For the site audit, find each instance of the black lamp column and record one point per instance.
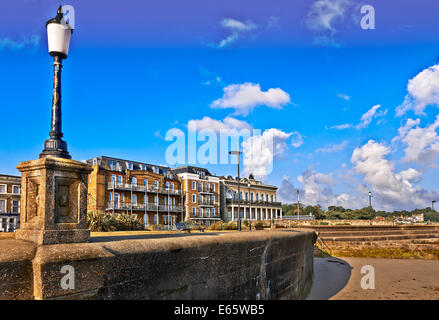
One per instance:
(58, 33)
(55, 146)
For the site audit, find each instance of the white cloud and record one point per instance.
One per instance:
(260, 150)
(344, 96)
(317, 188)
(237, 25)
(246, 96)
(422, 144)
(324, 14)
(296, 139)
(371, 114)
(390, 188)
(238, 28)
(229, 123)
(422, 90)
(341, 126)
(31, 43)
(334, 148)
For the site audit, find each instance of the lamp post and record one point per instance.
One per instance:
(298, 204)
(238, 153)
(58, 36)
(370, 207)
(432, 205)
(249, 206)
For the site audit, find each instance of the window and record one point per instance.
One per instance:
(257, 196)
(213, 187)
(167, 185)
(15, 189)
(156, 200)
(3, 206)
(145, 199)
(2, 188)
(200, 186)
(213, 199)
(122, 198)
(194, 185)
(200, 199)
(271, 198)
(111, 196)
(134, 181)
(156, 219)
(156, 184)
(194, 199)
(246, 196)
(130, 166)
(145, 182)
(134, 200)
(172, 185)
(119, 179)
(95, 162)
(193, 211)
(144, 167)
(213, 212)
(112, 164)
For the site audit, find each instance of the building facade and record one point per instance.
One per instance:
(10, 196)
(258, 200)
(151, 192)
(200, 194)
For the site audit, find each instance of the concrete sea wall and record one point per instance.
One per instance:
(246, 265)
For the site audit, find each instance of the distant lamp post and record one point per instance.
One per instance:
(370, 206)
(58, 36)
(238, 153)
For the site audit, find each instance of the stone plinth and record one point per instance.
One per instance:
(53, 201)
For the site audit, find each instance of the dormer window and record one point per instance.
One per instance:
(144, 167)
(130, 166)
(95, 162)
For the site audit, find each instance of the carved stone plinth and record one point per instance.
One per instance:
(53, 201)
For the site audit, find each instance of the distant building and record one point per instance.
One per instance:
(258, 200)
(200, 194)
(150, 192)
(10, 195)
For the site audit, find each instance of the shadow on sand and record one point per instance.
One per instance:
(330, 276)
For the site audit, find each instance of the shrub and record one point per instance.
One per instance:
(259, 225)
(216, 226)
(101, 221)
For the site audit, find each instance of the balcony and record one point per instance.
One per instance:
(254, 203)
(205, 217)
(142, 188)
(209, 190)
(143, 207)
(206, 203)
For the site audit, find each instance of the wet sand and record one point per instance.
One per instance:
(395, 279)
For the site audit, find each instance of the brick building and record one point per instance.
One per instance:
(10, 196)
(200, 194)
(258, 200)
(151, 192)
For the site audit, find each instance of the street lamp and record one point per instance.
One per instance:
(432, 205)
(239, 190)
(249, 206)
(58, 37)
(370, 208)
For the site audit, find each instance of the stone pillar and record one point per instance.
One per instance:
(54, 201)
(280, 214)
(233, 213)
(271, 213)
(245, 213)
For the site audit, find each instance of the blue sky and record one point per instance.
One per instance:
(137, 69)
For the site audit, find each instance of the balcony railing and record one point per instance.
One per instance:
(206, 190)
(255, 203)
(142, 188)
(143, 207)
(205, 216)
(206, 203)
